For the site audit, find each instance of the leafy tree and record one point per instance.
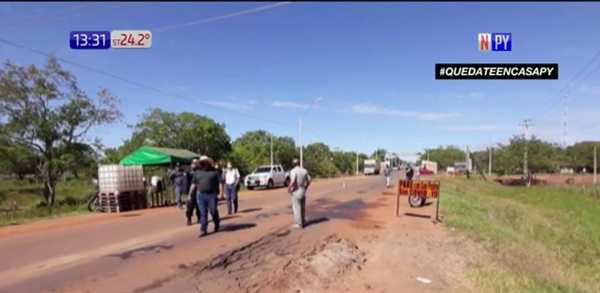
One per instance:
(253, 149)
(581, 155)
(185, 130)
(44, 111)
(345, 162)
(318, 160)
(543, 157)
(17, 159)
(379, 155)
(444, 156)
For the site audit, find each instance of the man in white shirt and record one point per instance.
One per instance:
(232, 179)
(299, 182)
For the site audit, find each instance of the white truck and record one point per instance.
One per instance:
(371, 167)
(267, 176)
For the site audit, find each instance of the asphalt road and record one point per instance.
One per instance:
(134, 251)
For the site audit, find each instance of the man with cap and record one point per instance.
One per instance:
(192, 203)
(206, 183)
(299, 182)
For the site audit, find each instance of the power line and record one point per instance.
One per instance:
(136, 83)
(222, 17)
(564, 92)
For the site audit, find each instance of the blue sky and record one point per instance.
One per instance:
(371, 65)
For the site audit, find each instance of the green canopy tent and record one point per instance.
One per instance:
(148, 155)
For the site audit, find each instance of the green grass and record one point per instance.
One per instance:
(71, 197)
(538, 239)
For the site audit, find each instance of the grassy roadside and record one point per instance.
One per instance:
(538, 239)
(71, 199)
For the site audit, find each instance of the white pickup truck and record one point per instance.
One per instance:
(267, 176)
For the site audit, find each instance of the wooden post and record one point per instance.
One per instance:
(437, 208)
(595, 165)
(398, 201)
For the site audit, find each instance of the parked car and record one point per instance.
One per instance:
(268, 176)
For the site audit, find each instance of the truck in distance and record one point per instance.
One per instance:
(268, 176)
(371, 167)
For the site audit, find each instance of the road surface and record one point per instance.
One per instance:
(154, 251)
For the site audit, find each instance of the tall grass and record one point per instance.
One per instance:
(537, 239)
(71, 198)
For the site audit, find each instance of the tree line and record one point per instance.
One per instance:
(45, 119)
(543, 156)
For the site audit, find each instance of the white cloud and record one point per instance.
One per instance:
(481, 128)
(234, 106)
(379, 110)
(289, 105)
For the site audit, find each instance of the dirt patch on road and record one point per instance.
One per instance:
(283, 261)
(319, 267)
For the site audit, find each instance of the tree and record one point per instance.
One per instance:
(581, 155)
(45, 111)
(16, 159)
(345, 162)
(444, 156)
(543, 157)
(379, 155)
(319, 160)
(184, 130)
(253, 149)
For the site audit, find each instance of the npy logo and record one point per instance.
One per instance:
(494, 41)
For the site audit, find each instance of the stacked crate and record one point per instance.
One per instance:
(121, 188)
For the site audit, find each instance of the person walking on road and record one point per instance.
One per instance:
(179, 180)
(232, 179)
(192, 203)
(206, 182)
(387, 172)
(221, 172)
(299, 183)
(409, 173)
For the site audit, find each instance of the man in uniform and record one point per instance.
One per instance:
(299, 182)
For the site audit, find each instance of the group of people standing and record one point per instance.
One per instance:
(202, 184)
(205, 181)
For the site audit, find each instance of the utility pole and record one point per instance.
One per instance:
(271, 149)
(595, 165)
(526, 123)
(300, 141)
(357, 163)
(490, 162)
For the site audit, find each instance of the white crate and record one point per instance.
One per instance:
(117, 178)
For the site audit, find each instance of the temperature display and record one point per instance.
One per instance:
(125, 39)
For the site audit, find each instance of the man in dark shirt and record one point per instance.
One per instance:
(179, 181)
(192, 203)
(206, 182)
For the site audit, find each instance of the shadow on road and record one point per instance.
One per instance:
(236, 227)
(316, 221)
(250, 210)
(417, 215)
(156, 248)
(130, 215)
